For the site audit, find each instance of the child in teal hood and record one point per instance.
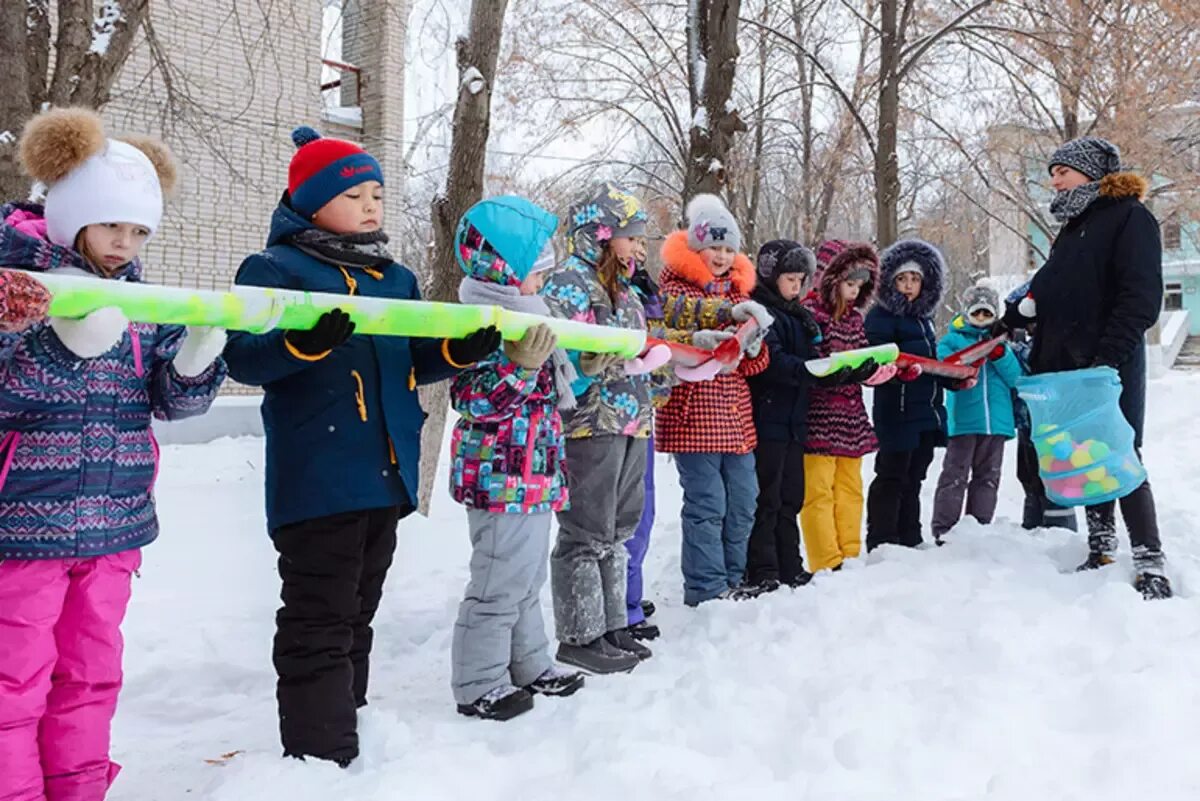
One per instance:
(981, 418)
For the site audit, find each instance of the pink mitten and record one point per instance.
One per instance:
(652, 359)
(704, 372)
(23, 302)
(883, 375)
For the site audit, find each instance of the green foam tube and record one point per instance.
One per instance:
(882, 354)
(259, 309)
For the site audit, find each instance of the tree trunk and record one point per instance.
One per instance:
(477, 52)
(712, 63)
(88, 51)
(887, 166)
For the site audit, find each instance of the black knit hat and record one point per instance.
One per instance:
(1090, 155)
(781, 256)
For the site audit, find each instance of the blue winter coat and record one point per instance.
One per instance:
(343, 432)
(986, 408)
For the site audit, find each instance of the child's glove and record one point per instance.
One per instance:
(23, 302)
(475, 346)
(962, 384)
(998, 352)
(709, 339)
(533, 349)
(704, 372)
(201, 346)
(94, 335)
(652, 359)
(333, 328)
(593, 364)
(882, 375)
(752, 309)
(909, 374)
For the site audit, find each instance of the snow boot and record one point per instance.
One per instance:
(648, 608)
(502, 703)
(621, 638)
(802, 579)
(644, 631)
(557, 682)
(598, 656)
(1151, 580)
(748, 592)
(1095, 561)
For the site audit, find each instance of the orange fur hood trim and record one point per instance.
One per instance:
(1124, 184)
(687, 264)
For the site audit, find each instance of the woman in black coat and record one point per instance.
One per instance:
(1093, 300)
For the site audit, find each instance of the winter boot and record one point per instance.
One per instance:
(1151, 579)
(1095, 561)
(802, 579)
(644, 631)
(557, 682)
(622, 639)
(502, 703)
(598, 656)
(748, 592)
(648, 608)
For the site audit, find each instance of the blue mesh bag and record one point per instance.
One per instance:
(1083, 441)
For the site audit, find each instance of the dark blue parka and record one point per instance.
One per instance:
(905, 410)
(343, 431)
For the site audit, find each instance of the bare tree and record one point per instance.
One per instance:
(71, 57)
(477, 54)
(713, 51)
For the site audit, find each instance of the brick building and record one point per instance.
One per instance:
(225, 83)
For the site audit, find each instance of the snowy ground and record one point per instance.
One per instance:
(976, 671)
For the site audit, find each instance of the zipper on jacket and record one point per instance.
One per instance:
(360, 395)
(987, 407)
(136, 342)
(8, 451)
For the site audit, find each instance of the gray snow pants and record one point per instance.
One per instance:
(499, 637)
(606, 478)
(972, 468)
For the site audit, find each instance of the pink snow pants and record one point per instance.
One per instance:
(60, 672)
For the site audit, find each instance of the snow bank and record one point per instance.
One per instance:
(982, 670)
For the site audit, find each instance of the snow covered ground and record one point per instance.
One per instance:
(975, 671)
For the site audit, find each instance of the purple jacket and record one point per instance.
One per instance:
(77, 457)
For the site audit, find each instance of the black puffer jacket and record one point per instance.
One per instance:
(1099, 291)
(780, 393)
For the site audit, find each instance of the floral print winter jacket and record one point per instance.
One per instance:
(612, 403)
(78, 459)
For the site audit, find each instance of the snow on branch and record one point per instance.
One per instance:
(473, 80)
(105, 25)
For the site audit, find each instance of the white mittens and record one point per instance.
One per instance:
(94, 335)
(201, 347)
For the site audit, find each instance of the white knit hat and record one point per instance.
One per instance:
(118, 185)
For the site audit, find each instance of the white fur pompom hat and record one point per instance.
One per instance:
(93, 179)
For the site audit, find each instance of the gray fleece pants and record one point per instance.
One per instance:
(500, 637)
(972, 468)
(606, 477)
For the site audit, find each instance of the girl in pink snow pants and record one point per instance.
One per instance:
(77, 457)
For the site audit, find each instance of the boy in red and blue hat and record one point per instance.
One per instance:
(343, 430)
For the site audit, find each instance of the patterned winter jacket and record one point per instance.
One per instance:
(612, 403)
(714, 416)
(837, 418)
(77, 456)
(506, 453)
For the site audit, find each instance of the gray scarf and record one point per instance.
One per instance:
(1070, 203)
(349, 250)
(510, 297)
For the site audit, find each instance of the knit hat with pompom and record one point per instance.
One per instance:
(323, 168)
(92, 179)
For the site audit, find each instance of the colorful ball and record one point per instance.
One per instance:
(1063, 449)
(1110, 484)
(1045, 428)
(1061, 466)
(1047, 462)
(1071, 492)
(1057, 438)
(1092, 488)
(1099, 450)
(1097, 474)
(1081, 458)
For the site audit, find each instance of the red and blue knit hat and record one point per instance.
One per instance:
(322, 169)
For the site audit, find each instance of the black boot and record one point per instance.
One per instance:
(1153, 586)
(1095, 561)
(599, 656)
(644, 631)
(502, 703)
(648, 608)
(802, 578)
(557, 682)
(622, 639)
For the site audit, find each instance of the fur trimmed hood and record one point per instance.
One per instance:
(855, 255)
(933, 267)
(1124, 184)
(687, 265)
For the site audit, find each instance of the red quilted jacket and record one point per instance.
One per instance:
(709, 416)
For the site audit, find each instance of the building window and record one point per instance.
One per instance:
(1173, 296)
(1172, 232)
(341, 79)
